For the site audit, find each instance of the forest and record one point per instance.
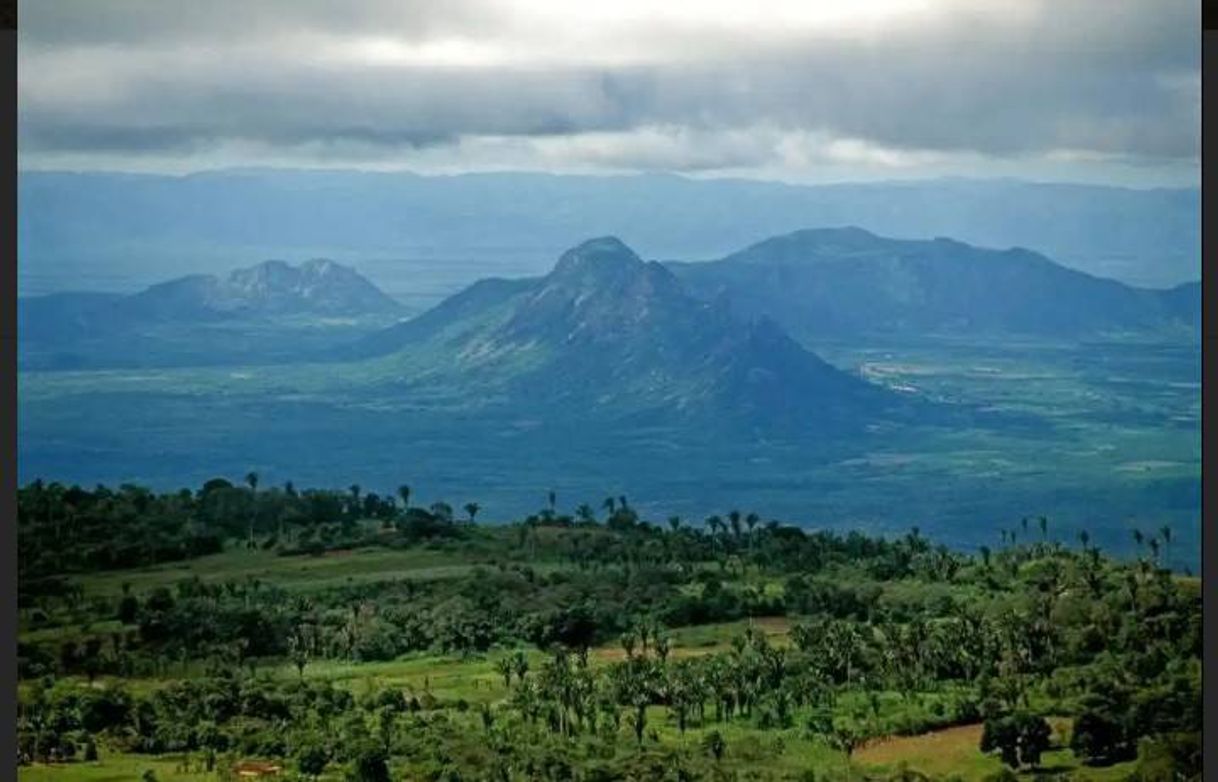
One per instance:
(239, 630)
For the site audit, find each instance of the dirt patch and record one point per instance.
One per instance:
(936, 744)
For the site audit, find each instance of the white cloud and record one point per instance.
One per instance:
(808, 88)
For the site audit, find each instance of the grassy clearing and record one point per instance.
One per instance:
(956, 752)
(296, 573)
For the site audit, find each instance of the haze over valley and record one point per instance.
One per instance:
(950, 381)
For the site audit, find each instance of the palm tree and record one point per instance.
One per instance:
(505, 666)
(751, 522)
(1084, 537)
(472, 509)
(1044, 527)
(552, 498)
(674, 523)
(251, 478)
(628, 641)
(1165, 531)
(733, 518)
(714, 744)
(520, 664)
(1138, 537)
(661, 646)
(610, 504)
(585, 513)
(404, 493)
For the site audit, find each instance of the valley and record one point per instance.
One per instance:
(607, 374)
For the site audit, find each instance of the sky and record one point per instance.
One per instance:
(1104, 91)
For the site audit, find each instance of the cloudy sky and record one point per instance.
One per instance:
(810, 90)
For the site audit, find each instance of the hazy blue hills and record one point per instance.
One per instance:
(612, 374)
(118, 232)
(271, 310)
(850, 283)
(609, 333)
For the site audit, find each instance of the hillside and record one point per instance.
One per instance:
(270, 311)
(337, 630)
(606, 332)
(848, 282)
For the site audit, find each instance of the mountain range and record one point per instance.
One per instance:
(177, 321)
(119, 232)
(834, 284)
(836, 374)
(607, 331)
(850, 283)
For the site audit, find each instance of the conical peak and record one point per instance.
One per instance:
(603, 254)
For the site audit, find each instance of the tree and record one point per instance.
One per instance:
(714, 744)
(311, 759)
(751, 522)
(368, 763)
(504, 666)
(1020, 738)
(520, 664)
(845, 738)
(251, 479)
(128, 609)
(298, 650)
(472, 509)
(404, 493)
(1098, 737)
(661, 646)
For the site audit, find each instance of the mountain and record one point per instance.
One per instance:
(268, 311)
(318, 287)
(118, 232)
(848, 282)
(606, 333)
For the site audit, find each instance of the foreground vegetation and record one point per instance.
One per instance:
(240, 628)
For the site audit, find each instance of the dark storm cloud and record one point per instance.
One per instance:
(1110, 78)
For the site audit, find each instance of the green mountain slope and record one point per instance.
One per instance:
(606, 333)
(849, 282)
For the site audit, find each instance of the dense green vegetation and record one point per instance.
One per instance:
(346, 634)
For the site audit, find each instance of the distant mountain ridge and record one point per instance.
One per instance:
(849, 282)
(273, 288)
(140, 229)
(316, 287)
(273, 310)
(608, 332)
